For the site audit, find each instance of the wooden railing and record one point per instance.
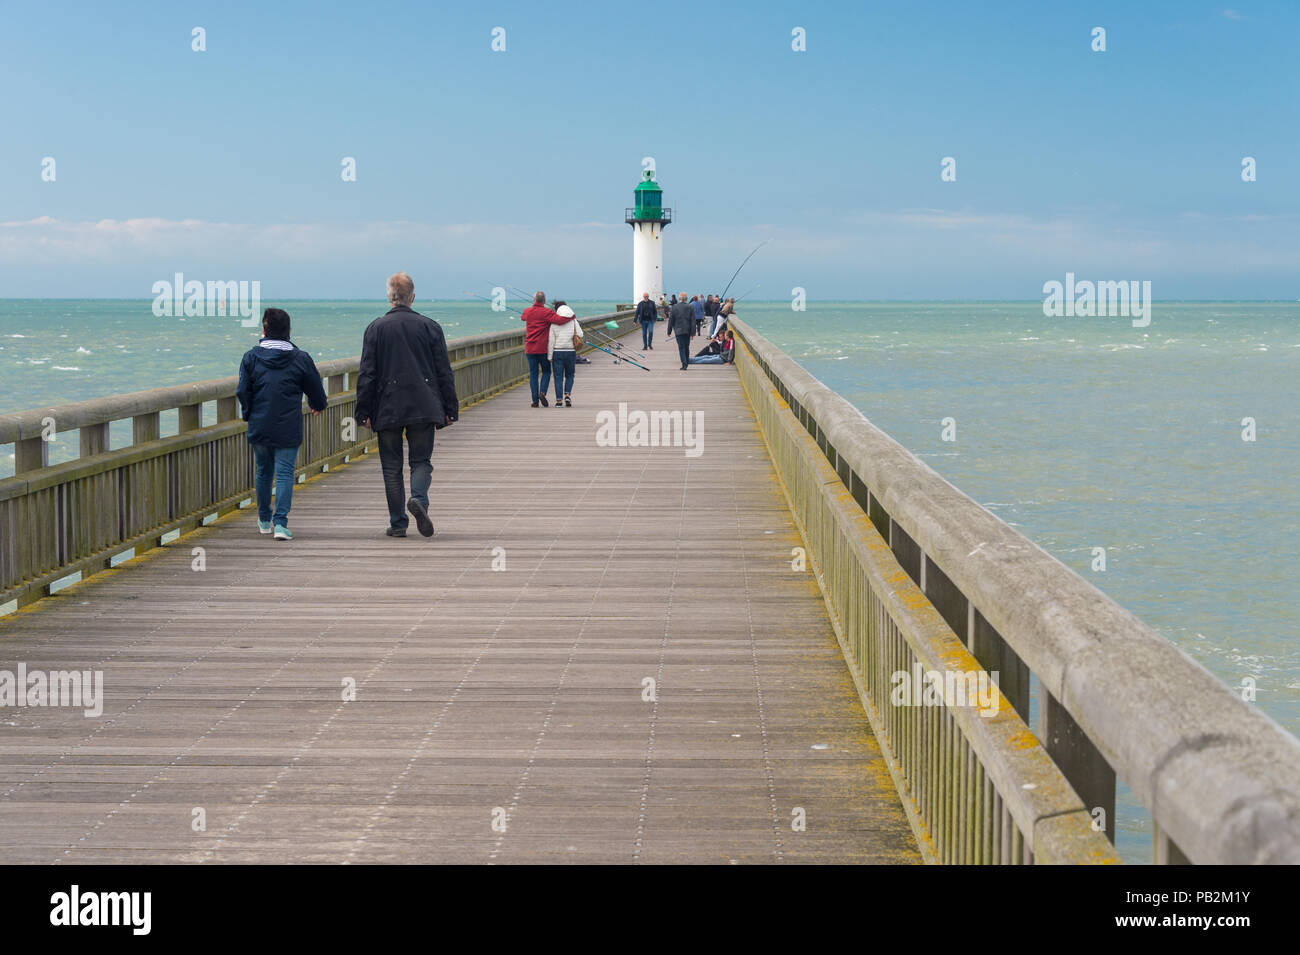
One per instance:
(918, 574)
(60, 523)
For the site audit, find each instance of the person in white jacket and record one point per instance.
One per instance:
(562, 350)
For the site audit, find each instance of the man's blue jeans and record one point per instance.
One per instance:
(539, 363)
(564, 362)
(647, 332)
(279, 462)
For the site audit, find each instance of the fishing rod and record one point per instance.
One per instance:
(611, 343)
(605, 338)
(618, 358)
(754, 289)
(616, 344)
(742, 265)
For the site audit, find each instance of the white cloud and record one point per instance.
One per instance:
(915, 253)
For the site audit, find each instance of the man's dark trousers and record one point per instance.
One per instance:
(419, 438)
(684, 348)
(647, 332)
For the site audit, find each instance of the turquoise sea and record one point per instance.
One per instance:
(1081, 432)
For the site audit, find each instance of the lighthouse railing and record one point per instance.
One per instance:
(922, 580)
(633, 214)
(62, 522)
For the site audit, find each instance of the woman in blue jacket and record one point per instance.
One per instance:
(273, 377)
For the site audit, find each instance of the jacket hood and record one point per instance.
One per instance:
(273, 357)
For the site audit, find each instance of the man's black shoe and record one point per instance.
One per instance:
(542, 399)
(421, 517)
(396, 532)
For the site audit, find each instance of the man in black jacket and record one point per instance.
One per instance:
(646, 315)
(681, 322)
(405, 383)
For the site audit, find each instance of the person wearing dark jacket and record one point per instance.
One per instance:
(681, 322)
(273, 377)
(697, 309)
(405, 384)
(538, 320)
(646, 315)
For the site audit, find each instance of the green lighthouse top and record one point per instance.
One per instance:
(648, 199)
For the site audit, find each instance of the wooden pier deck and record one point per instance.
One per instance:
(481, 693)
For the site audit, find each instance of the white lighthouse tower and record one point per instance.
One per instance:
(648, 217)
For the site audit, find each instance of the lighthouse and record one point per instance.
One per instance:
(648, 217)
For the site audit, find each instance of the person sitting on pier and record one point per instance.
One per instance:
(405, 384)
(720, 351)
(273, 377)
(537, 319)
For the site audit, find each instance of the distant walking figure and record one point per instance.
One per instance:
(645, 314)
(406, 384)
(681, 322)
(562, 350)
(697, 312)
(273, 377)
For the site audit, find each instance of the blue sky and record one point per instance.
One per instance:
(477, 168)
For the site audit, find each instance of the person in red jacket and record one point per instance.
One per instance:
(538, 320)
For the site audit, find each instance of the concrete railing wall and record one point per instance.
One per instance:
(916, 573)
(70, 520)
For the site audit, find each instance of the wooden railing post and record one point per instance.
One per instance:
(146, 427)
(189, 418)
(31, 454)
(94, 439)
(1078, 759)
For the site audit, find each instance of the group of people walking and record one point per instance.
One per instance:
(552, 337)
(701, 308)
(406, 391)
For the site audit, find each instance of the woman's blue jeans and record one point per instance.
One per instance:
(277, 462)
(564, 363)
